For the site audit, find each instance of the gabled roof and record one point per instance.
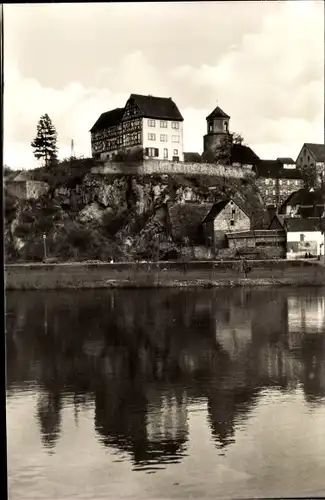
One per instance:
(273, 169)
(318, 150)
(162, 108)
(243, 154)
(304, 197)
(216, 209)
(219, 206)
(217, 113)
(186, 219)
(277, 220)
(108, 119)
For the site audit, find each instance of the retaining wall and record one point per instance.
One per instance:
(163, 274)
(149, 167)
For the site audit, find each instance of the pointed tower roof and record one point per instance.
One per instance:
(217, 113)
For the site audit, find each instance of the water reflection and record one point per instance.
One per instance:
(143, 360)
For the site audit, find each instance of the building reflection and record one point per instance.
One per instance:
(141, 358)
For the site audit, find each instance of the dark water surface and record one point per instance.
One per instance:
(166, 394)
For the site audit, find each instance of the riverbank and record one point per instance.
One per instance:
(163, 274)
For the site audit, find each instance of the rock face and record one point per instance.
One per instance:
(133, 208)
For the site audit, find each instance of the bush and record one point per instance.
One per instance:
(68, 173)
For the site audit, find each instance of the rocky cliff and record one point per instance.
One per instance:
(87, 216)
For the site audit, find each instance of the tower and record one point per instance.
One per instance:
(217, 129)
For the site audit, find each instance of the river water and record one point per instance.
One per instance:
(163, 394)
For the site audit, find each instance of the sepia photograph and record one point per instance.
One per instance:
(164, 249)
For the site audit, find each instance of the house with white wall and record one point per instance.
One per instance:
(152, 123)
(303, 235)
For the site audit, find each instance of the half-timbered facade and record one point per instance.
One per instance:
(152, 123)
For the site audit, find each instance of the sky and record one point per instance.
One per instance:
(262, 62)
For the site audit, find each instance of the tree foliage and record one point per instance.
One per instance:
(45, 142)
(221, 154)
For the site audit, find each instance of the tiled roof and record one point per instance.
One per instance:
(108, 119)
(243, 155)
(277, 220)
(316, 210)
(318, 150)
(157, 107)
(216, 209)
(273, 169)
(217, 113)
(295, 224)
(186, 219)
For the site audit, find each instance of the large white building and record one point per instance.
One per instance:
(153, 123)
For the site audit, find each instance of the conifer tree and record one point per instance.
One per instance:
(45, 142)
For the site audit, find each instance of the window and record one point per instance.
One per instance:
(308, 158)
(296, 182)
(288, 182)
(232, 222)
(165, 153)
(151, 137)
(302, 238)
(175, 125)
(163, 124)
(210, 128)
(280, 182)
(152, 152)
(273, 191)
(233, 211)
(163, 137)
(151, 123)
(266, 191)
(175, 152)
(266, 181)
(225, 126)
(175, 138)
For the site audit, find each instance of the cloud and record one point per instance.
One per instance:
(264, 66)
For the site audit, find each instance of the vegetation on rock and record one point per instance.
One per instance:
(87, 216)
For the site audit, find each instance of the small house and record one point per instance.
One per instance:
(303, 235)
(224, 217)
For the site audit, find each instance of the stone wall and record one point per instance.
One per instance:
(149, 167)
(270, 244)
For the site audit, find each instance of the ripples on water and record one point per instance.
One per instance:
(166, 394)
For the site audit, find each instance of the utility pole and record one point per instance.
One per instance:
(44, 244)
